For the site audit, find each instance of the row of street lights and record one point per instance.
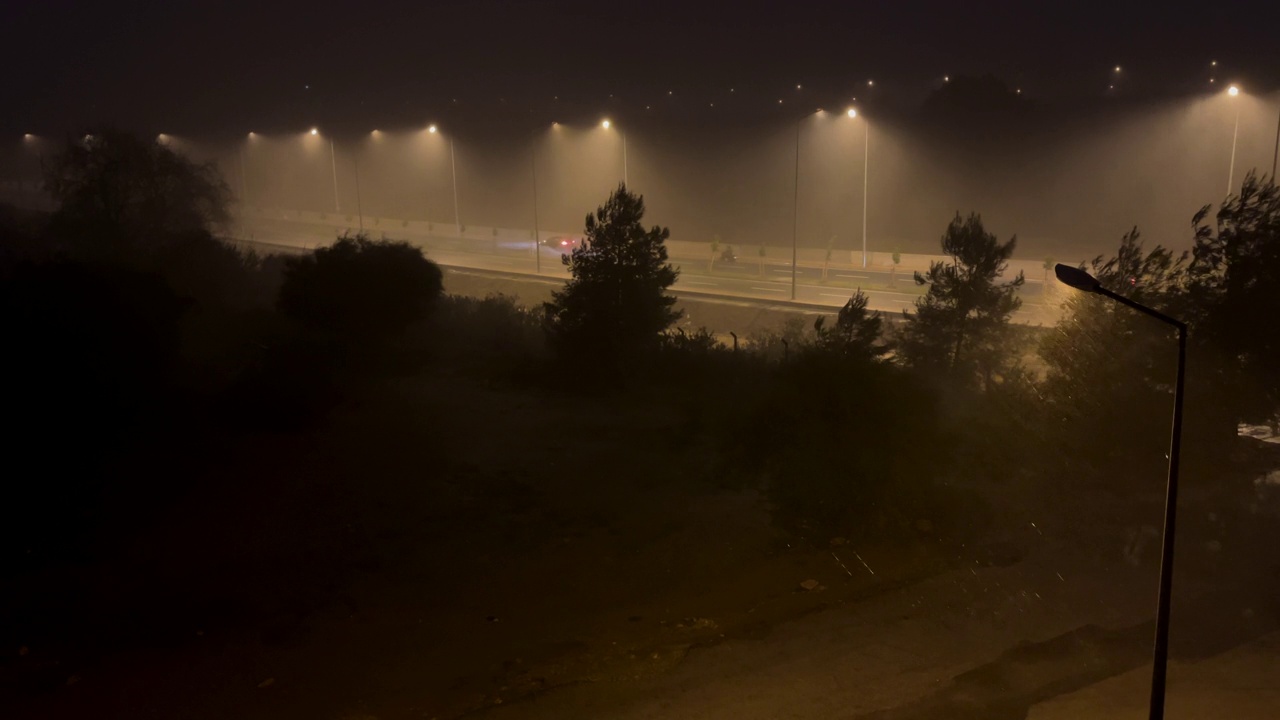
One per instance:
(605, 124)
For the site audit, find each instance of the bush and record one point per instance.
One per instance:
(836, 443)
(493, 335)
(360, 291)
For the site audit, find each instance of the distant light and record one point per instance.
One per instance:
(730, 89)
(669, 92)
(253, 134)
(375, 131)
(1211, 80)
(161, 137)
(555, 124)
(1213, 63)
(1111, 87)
(1233, 91)
(1018, 91)
(431, 128)
(852, 113)
(1117, 68)
(713, 104)
(779, 101)
(605, 124)
(646, 107)
(28, 137)
(797, 86)
(946, 78)
(871, 83)
(315, 131)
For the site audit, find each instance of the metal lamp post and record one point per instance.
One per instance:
(1081, 280)
(1235, 134)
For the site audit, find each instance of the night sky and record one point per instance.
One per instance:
(226, 67)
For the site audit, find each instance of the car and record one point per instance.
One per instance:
(563, 244)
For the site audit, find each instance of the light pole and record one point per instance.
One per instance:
(453, 170)
(244, 179)
(866, 169)
(533, 167)
(795, 211)
(1233, 91)
(1081, 280)
(359, 205)
(606, 124)
(1275, 154)
(333, 165)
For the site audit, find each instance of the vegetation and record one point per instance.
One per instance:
(165, 354)
(961, 326)
(615, 305)
(360, 290)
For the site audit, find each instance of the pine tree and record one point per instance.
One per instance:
(961, 326)
(615, 305)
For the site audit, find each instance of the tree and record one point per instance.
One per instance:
(855, 333)
(360, 290)
(1108, 368)
(961, 325)
(826, 259)
(615, 304)
(125, 188)
(893, 269)
(1047, 265)
(715, 248)
(1231, 298)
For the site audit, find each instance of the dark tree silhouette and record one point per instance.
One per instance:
(961, 326)
(120, 187)
(616, 303)
(360, 289)
(1108, 367)
(1232, 297)
(854, 335)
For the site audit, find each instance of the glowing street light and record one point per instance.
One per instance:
(1117, 68)
(432, 129)
(1233, 91)
(852, 113)
(315, 131)
(605, 124)
(1081, 280)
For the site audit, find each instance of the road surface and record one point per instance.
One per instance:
(740, 279)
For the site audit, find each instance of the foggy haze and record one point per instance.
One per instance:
(1067, 184)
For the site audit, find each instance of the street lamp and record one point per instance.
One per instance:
(1081, 280)
(606, 125)
(866, 168)
(1233, 91)
(333, 166)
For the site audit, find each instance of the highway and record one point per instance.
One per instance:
(745, 278)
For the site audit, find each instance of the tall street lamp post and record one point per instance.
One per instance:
(1233, 91)
(1081, 280)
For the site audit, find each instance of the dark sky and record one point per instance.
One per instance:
(231, 65)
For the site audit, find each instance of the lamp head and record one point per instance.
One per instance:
(1076, 278)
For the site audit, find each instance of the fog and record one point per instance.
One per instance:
(1067, 183)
